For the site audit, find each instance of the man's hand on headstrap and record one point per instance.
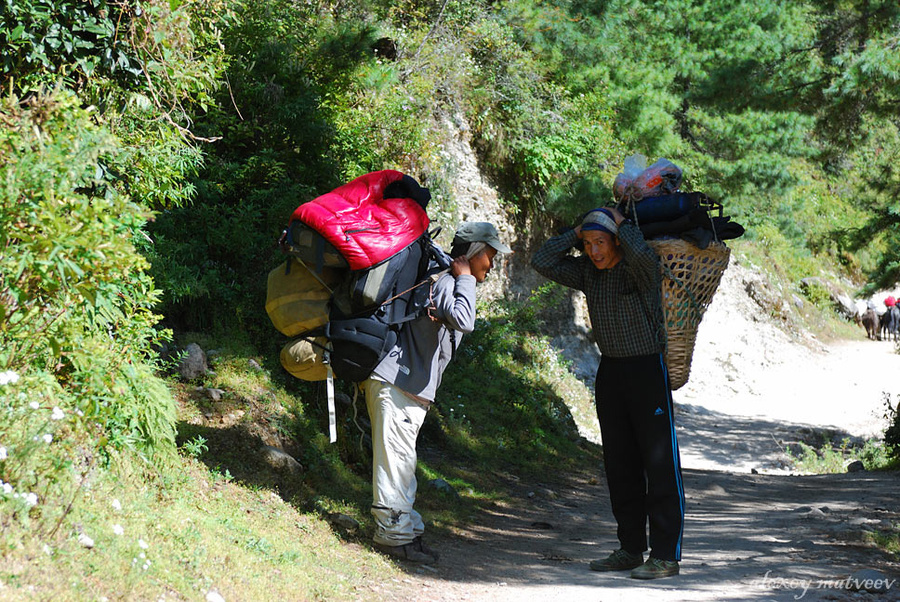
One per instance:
(460, 267)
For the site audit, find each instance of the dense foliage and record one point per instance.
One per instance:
(98, 99)
(771, 107)
(152, 151)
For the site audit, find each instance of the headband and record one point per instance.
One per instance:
(599, 219)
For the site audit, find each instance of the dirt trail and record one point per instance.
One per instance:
(753, 531)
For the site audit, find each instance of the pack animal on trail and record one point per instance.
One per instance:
(871, 323)
(890, 324)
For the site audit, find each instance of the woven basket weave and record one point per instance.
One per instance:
(690, 278)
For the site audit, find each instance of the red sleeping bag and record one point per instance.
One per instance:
(362, 225)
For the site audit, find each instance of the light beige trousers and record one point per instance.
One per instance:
(396, 420)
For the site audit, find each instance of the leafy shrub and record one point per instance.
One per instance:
(148, 67)
(75, 298)
(44, 451)
(78, 40)
(831, 458)
(500, 399)
(892, 432)
(539, 140)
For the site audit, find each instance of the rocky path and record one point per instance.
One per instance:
(835, 393)
(747, 537)
(754, 530)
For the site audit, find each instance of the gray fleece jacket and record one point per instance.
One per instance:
(417, 363)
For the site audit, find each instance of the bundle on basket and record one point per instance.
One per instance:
(687, 231)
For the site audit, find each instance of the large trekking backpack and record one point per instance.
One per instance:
(356, 272)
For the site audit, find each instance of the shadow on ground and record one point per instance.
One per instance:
(747, 536)
(717, 441)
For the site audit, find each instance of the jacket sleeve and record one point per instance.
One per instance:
(553, 261)
(642, 261)
(454, 302)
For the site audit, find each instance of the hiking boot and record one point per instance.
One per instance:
(655, 568)
(620, 560)
(408, 552)
(421, 546)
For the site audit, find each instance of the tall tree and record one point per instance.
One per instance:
(751, 97)
(860, 120)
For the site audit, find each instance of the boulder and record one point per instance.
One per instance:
(767, 298)
(214, 394)
(281, 461)
(444, 487)
(343, 521)
(193, 365)
(856, 466)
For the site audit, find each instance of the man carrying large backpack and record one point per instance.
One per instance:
(402, 388)
(620, 277)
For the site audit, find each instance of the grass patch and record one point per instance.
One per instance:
(217, 517)
(833, 458)
(889, 541)
(785, 267)
(185, 533)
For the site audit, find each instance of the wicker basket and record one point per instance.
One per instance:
(690, 278)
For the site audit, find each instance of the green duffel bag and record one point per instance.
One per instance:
(297, 299)
(303, 358)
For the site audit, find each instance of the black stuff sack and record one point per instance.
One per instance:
(358, 345)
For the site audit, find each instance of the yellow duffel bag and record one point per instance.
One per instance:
(303, 358)
(296, 299)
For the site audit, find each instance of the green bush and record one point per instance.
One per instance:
(833, 458)
(75, 298)
(45, 452)
(542, 143)
(494, 405)
(892, 432)
(76, 40)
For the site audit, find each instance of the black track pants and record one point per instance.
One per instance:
(643, 470)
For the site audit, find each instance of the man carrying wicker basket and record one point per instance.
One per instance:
(620, 276)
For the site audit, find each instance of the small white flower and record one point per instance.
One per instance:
(85, 540)
(142, 544)
(57, 414)
(3, 453)
(214, 596)
(80, 413)
(142, 556)
(31, 499)
(34, 405)
(116, 505)
(48, 550)
(8, 377)
(48, 438)
(7, 488)
(118, 530)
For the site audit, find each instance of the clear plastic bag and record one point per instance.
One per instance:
(637, 181)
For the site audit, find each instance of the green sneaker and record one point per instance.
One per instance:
(655, 568)
(620, 560)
